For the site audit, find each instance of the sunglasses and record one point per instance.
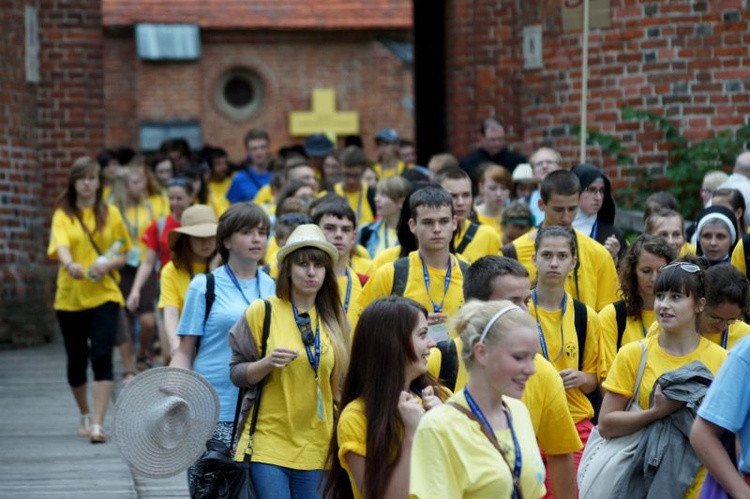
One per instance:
(687, 267)
(305, 326)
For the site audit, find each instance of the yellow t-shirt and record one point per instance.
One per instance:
(485, 242)
(737, 331)
(491, 222)
(271, 251)
(622, 376)
(137, 219)
(160, 205)
(360, 261)
(544, 396)
(687, 249)
(352, 437)
(220, 188)
(738, 256)
(598, 283)
(390, 172)
(264, 198)
(73, 295)
(381, 284)
(635, 329)
(357, 202)
(355, 309)
(174, 284)
(289, 432)
(217, 203)
(386, 256)
(452, 457)
(564, 354)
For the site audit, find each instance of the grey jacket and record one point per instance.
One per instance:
(665, 464)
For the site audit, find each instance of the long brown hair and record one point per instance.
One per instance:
(67, 201)
(327, 303)
(182, 256)
(627, 269)
(377, 375)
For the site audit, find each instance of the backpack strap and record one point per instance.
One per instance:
(746, 249)
(581, 322)
(621, 316)
(210, 295)
(259, 392)
(468, 237)
(449, 364)
(400, 276)
(371, 200)
(509, 251)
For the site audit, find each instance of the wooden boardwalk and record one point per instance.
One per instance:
(41, 454)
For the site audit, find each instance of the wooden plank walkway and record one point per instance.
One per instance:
(41, 455)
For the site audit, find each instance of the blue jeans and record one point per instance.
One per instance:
(277, 482)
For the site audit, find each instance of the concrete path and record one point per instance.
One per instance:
(41, 455)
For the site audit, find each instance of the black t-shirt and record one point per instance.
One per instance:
(507, 158)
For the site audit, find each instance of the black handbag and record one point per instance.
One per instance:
(218, 475)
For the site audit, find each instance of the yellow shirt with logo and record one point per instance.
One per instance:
(485, 242)
(289, 432)
(491, 222)
(564, 354)
(355, 309)
(597, 284)
(389, 172)
(174, 283)
(73, 295)
(736, 332)
(452, 457)
(381, 284)
(544, 396)
(635, 329)
(622, 376)
(357, 202)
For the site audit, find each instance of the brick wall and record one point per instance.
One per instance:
(45, 125)
(366, 76)
(686, 59)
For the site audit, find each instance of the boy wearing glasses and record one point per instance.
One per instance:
(360, 196)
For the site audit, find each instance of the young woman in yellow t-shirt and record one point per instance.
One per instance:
(481, 443)
(385, 394)
(678, 300)
(495, 184)
(670, 226)
(89, 240)
(192, 246)
(638, 270)
(306, 357)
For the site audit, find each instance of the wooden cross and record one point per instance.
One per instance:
(323, 117)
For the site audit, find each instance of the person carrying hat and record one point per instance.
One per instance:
(241, 238)
(190, 256)
(306, 357)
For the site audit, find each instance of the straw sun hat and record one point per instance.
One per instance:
(163, 419)
(307, 236)
(199, 220)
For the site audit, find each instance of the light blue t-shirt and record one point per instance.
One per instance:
(727, 403)
(212, 361)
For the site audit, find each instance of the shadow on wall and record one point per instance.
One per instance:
(26, 314)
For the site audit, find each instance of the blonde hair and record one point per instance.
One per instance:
(472, 318)
(556, 155)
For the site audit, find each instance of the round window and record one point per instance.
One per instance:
(239, 93)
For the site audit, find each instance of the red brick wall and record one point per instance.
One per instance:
(366, 76)
(44, 127)
(686, 59)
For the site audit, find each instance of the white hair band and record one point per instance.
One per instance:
(494, 319)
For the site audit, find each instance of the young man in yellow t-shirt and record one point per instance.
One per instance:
(499, 278)
(472, 240)
(431, 276)
(358, 194)
(594, 280)
(337, 221)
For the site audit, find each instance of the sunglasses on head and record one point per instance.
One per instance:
(687, 267)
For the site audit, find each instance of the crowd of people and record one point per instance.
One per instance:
(413, 326)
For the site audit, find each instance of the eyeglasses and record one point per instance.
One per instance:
(595, 190)
(718, 320)
(545, 162)
(687, 267)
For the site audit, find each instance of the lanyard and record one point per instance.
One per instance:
(359, 204)
(348, 290)
(542, 341)
(643, 327)
(594, 230)
(516, 447)
(236, 282)
(725, 338)
(314, 360)
(435, 307)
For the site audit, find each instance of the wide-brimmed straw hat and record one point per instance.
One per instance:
(307, 236)
(163, 419)
(198, 220)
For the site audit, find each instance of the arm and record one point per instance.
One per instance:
(185, 354)
(562, 474)
(578, 379)
(66, 260)
(103, 268)
(171, 321)
(141, 276)
(615, 421)
(704, 438)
